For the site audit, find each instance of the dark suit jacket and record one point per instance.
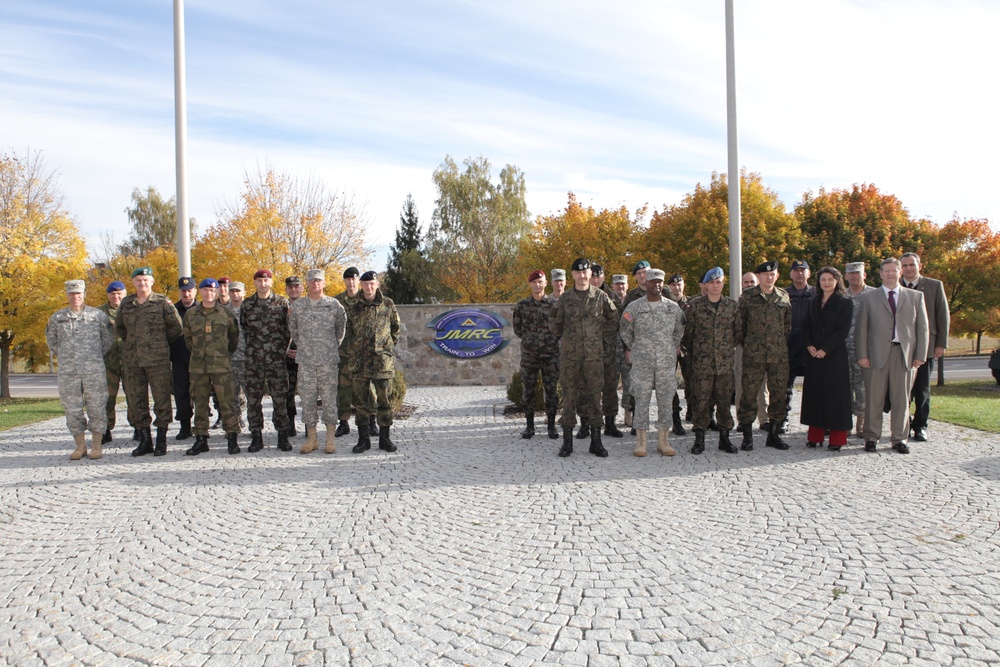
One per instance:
(938, 315)
(873, 328)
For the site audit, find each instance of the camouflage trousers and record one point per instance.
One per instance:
(239, 388)
(628, 403)
(581, 391)
(139, 382)
(857, 381)
(80, 393)
(345, 391)
(182, 392)
(761, 394)
(609, 388)
(377, 394)
(202, 387)
(549, 368)
(111, 407)
(644, 380)
(318, 382)
(753, 378)
(274, 377)
(706, 392)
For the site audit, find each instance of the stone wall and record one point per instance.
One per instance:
(423, 365)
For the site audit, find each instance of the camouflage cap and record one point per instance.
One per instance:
(655, 274)
(619, 279)
(854, 267)
(236, 286)
(292, 280)
(558, 274)
(75, 287)
(315, 274)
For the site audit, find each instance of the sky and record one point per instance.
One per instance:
(621, 103)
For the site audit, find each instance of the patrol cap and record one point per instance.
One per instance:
(369, 275)
(655, 274)
(186, 282)
(674, 279)
(263, 273)
(142, 271)
(224, 280)
(535, 275)
(208, 282)
(800, 264)
(619, 279)
(237, 286)
(713, 274)
(854, 267)
(315, 274)
(351, 272)
(767, 266)
(596, 269)
(116, 286)
(292, 280)
(558, 274)
(639, 266)
(75, 287)
(580, 264)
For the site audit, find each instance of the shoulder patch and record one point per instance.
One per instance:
(628, 315)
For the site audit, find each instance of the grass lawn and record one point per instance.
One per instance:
(972, 403)
(20, 411)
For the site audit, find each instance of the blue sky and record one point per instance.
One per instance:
(622, 103)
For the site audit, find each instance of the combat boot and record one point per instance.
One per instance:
(529, 429)
(384, 443)
(678, 427)
(364, 441)
(283, 443)
(232, 445)
(256, 442)
(663, 443)
(81, 447)
(185, 431)
(567, 446)
(200, 446)
(713, 425)
(95, 445)
(640, 443)
(310, 444)
(774, 439)
(725, 444)
(628, 417)
(343, 428)
(596, 446)
(145, 443)
(699, 442)
(160, 449)
(106, 438)
(610, 428)
(584, 430)
(291, 425)
(747, 444)
(551, 427)
(331, 442)
(135, 435)
(372, 426)
(860, 430)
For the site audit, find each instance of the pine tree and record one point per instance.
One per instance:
(407, 273)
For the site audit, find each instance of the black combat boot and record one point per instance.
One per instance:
(364, 442)
(567, 446)
(256, 442)
(283, 443)
(584, 430)
(160, 448)
(384, 443)
(699, 442)
(291, 424)
(596, 446)
(610, 428)
(372, 426)
(231, 443)
(529, 430)
(106, 438)
(747, 444)
(145, 443)
(774, 439)
(678, 427)
(343, 428)
(135, 435)
(713, 425)
(185, 431)
(725, 444)
(551, 426)
(200, 446)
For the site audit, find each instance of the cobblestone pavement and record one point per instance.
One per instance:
(473, 546)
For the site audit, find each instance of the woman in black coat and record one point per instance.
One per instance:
(826, 392)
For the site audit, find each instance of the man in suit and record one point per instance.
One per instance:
(938, 319)
(890, 338)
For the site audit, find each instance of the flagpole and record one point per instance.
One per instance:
(180, 144)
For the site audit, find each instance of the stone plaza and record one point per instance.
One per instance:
(471, 546)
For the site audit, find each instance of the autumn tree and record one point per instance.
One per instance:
(609, 237)
(284, 223)
(407, 277)
(476, 231)
(693, 236)
(42, 248)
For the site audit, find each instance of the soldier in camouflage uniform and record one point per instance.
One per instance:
(113, 360)
(765, 319)
(147, 323)
(317, 323)
(293, 291)
(637, 292)
(609, 390)
(211, 333)
(539, 353)
(558, 283)
(710, 344)
(675, 292)
(855, 275)
(238, 360)
(651, 330)
(79, 336)
(264, 324)
(345, 393)
(373, 331)
(583, 319)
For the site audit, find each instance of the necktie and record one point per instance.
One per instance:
(892, 306)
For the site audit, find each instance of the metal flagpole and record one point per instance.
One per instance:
(735, 229)
(180, 142)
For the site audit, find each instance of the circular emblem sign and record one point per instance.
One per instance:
(468, 333)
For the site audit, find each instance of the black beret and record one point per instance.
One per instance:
(352, 272)
(676, 278)
(597, 269)
(369, 275)
(767, 266)
(581, 264)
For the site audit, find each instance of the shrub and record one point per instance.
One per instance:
(515, 392)
(397, 391)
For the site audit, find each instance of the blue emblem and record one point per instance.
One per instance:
(468, 333)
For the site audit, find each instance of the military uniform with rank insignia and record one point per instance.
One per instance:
(609, 390)
(113, 361)
(637, 292)
(539, 353)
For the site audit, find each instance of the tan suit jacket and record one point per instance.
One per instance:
(873, 329)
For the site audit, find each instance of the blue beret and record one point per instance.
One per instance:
(116, 286)
(713, 274)
(208, 282)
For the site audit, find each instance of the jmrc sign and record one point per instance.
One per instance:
(468, 333)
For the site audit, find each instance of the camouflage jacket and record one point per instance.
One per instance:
(652, 330)
(764, 322)
(373, 330)
(531, 324)
(630, 296)
(241, 350)
(346, 301)
(212, 335)
(147, 329)
(113, 357)
(79, 340)
(583, 321)
(317, 330)
(264, 324)
(611, 343)
(710, 335)
(856, 299)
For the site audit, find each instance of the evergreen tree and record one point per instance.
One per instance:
(406, 277)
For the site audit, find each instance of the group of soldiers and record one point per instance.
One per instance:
(334, 352)
(587, 338)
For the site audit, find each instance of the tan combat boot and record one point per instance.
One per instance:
(81, 447)
(640, 443)
(331, 441)
(861, 425)
(628, 417)
(95, 445)
(310, 443)
(662, 444)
